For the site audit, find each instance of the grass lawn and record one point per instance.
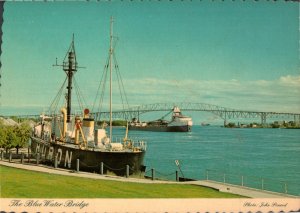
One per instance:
(18, 183)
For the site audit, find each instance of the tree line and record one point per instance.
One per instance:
(16, 136)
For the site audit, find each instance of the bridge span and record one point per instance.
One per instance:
(222, 112)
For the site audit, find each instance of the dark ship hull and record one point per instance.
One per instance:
(89, 160)
(185, 128)
(179, 123)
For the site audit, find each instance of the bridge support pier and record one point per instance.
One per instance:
(225, 119)
(263, 118)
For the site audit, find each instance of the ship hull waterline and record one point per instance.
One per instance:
(89, 160)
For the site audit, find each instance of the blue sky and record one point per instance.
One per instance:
(241, 55)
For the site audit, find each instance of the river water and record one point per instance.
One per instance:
(261, 158)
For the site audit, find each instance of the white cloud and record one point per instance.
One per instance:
(290, 80)
(281, 95)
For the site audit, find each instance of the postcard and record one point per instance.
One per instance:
(150, 106)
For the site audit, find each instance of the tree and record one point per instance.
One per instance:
(23, 133)
(3, 134)
(231, 125)
(12, 139)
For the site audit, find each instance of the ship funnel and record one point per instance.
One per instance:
(88, 125)
(64, 112)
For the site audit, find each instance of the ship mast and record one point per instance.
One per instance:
(70, 67)
(110, 80)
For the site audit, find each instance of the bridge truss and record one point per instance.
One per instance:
(222, 112)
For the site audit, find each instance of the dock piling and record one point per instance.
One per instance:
(285, 188)
(55, 162)
(101, 168)
(242, 180)
(22, 158)
(77, 165)
(152, 174)
(28, 152)
(37, 158)
(127, 171)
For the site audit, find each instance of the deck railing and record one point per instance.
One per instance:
(255, 182)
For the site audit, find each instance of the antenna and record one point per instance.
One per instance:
(70, 66)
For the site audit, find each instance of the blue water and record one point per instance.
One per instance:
(255, 154)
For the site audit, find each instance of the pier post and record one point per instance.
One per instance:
(55, 162)
(2, 154)
(28, 158)
(177, 177)
(262, 184)
(127, 171)
(101, 168)
(206, 174)
(242, 180)
(77, 165)
(22, 158)
(28, 154)
(152, 174)
(285, 188)
(10, 156)
(37, 158)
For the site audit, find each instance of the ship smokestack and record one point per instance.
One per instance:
(88, 125)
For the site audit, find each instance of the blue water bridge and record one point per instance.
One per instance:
(222, 112)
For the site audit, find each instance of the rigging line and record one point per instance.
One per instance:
(104, 84)
(72, 46)
(101, 80)
(57, 97)
(97, 93)
(120, 90)
(103, 89)
(82, 99)
(78, 95)
(57, 101)
(119, 78)
(122, 84)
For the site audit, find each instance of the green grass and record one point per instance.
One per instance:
(18, 183)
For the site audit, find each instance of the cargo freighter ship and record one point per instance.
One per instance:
(63, 139)
(179, 123)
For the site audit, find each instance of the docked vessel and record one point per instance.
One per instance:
(179, 123)
(67, 138)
